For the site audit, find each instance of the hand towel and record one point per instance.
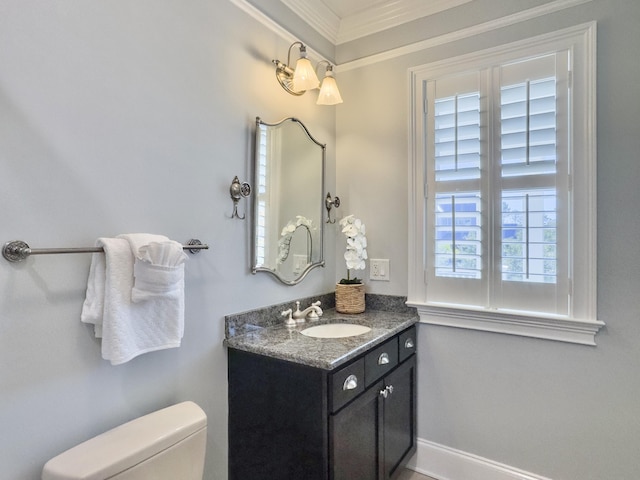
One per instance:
(129, 329)
(158, 271)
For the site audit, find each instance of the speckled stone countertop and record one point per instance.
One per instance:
(287, 343)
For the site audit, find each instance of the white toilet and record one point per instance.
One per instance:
(165, 445)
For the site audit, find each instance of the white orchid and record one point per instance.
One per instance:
(356, 252)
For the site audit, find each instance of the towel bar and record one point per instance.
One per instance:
(17, 250)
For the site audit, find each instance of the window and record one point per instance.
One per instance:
(502, 227)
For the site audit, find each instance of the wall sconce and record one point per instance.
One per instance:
(329, 93)
(297, 81)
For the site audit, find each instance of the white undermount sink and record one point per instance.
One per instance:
(335, 330)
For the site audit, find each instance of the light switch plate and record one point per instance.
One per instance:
(379, 269)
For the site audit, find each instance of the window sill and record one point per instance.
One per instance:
(561, 329)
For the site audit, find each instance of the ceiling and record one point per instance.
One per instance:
(345, 8)
(342, 21)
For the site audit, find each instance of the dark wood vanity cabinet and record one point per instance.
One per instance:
(289, 421)
(373, 436)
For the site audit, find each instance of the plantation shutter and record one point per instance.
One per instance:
(497, 187)
(455, 233)
(531, 186)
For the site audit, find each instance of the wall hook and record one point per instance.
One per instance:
(238, 190)
(329, 203)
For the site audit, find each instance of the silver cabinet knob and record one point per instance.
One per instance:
(409, 343)
(350, 383)
(386, 391)
(383, 359)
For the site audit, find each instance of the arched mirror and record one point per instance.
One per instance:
(288, 200)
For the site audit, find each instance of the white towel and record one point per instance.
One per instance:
(130, 329)
(158, 271)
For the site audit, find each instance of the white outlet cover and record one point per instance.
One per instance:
(379, 269)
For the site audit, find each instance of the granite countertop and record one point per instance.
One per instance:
(287, 343)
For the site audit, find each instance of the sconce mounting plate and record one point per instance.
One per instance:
(285, 78)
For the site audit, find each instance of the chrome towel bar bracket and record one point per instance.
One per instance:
(17, 250)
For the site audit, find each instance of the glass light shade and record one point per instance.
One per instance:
(329, 93)
(304, 76)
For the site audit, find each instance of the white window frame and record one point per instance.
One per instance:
(581, 324)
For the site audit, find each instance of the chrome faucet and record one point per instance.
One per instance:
(312, 312)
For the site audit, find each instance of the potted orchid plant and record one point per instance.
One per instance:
(350, 291)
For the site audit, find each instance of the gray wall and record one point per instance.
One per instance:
(131, 116)
(563, 411)
(115, 117)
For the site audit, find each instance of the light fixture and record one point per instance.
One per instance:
(297, 81)
(304, 76)
(329, 93)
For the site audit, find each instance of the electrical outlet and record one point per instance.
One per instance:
(379, 269)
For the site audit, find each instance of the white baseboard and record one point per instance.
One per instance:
(445, 463)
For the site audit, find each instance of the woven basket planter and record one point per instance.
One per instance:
(350, 298)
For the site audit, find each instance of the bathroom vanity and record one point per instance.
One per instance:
(323, 408)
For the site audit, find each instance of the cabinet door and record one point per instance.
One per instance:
(355, 435)
(399, 417)
(277, 419)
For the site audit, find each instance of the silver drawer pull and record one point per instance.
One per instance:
(350, 383)
(409, 343)
(383, 359)
(390, 388)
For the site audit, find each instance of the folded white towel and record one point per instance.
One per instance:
(130, 329)
(158, 270)
(166, 254)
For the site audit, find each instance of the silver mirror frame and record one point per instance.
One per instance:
(254, 260)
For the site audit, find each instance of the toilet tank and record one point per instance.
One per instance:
(167, 444)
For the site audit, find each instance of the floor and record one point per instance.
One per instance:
(411, 475)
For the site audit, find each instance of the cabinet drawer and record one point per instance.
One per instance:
(407, 343)
(346, 384)
(380, 360)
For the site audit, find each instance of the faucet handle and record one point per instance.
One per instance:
(289, 322)
(318, 310)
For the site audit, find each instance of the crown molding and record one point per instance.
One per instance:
(390, 14)
(548, 8)
(525, 15)
(318, 16)
(372, 20)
